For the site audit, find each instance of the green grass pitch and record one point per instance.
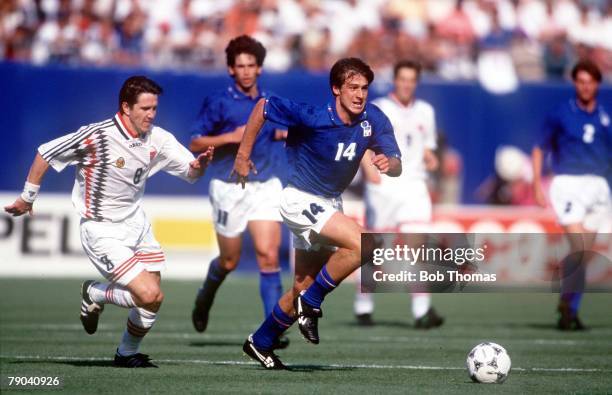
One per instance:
(40, 335)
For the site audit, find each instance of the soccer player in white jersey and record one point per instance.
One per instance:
(578, 137)
(114, 158)
(403, 203)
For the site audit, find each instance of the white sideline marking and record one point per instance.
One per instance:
(332, 365)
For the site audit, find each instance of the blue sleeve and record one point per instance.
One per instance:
(383, 141)
(283, 111)
(208, 120)
(549, 132)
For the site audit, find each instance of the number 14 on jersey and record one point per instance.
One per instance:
(348, 153)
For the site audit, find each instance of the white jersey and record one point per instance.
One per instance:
(415, 130)
(112, 166)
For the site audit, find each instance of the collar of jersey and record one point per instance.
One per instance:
(124, 127)
(574, 106)
(237, 95)
(333, 115)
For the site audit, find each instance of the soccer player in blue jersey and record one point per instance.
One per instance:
(325, 146)
(578, 136)
(220, 124)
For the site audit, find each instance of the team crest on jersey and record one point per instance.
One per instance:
(120, 162)
(367, 129)
(605, 119)
(152, 153)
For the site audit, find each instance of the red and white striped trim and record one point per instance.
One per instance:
(151, 257)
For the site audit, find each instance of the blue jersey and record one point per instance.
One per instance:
(580, 142)
(223, 112)
(324, 153)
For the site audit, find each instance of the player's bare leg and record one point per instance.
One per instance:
(260, 345)
(344, 233)
(143, 297)
(97, 294)
(266, 237)
(148, 296)
(229, 255)
(573, 273)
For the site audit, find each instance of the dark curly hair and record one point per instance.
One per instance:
(245, 44)
(348, 67)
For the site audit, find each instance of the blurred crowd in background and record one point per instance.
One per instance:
(454, 39)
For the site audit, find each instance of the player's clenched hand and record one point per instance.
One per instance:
(242, 167)
(381, 162)
(18, 208)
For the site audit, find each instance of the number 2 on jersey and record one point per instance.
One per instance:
(589, 133)
(349, 152)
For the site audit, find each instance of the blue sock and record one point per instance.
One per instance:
(270, 289)
(322, 285)
(573, 282)
(214, 278)
(574, 303)
(215, 272)
(271, 329)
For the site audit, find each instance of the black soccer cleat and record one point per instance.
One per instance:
(364, 319)
(90, 311)
(431, 319)
(266, 358)
(308, 319)
(133, 361)
(281, 343)
(199, 315)
(567, 322)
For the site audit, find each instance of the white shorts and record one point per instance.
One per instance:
(391, 208)
(121, 250)
(305, 213)
(583, 199)
(234, 207)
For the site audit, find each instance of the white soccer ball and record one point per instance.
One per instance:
(488, 363)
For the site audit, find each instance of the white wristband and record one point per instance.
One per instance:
(30, 192)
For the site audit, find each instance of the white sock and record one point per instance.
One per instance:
(364, 303)
(138, 324)
(421, 302)
(111, 293)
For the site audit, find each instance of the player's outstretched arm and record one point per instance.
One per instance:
(198, 166)
(370, 172)
(199, 144)
(536, 162)
(23, 204)
(243, 164)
